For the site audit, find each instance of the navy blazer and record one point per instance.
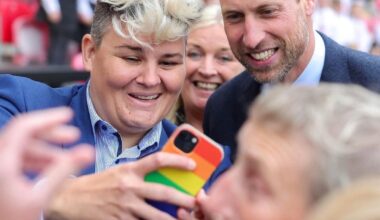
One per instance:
(19, 94)
(227, 108)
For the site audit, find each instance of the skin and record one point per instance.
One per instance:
(209, 2)
(133, 87)
(55, 17)
(273, 39)
(26, 145)
(268, 181)
(209, 61)
(120, 192)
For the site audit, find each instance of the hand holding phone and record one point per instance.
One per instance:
(207, 154)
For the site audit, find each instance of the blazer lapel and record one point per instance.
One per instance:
(335, 68)
(82, 121)
(167, 129)
(250, 90)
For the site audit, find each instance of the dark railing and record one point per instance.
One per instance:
(54, 76)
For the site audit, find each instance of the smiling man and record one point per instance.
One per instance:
(276, 43)
(136, 58)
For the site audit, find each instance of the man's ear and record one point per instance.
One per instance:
(88, 52)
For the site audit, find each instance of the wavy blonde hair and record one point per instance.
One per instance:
(163, 20)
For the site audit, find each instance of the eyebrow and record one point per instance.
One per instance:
(269, 4)
(140, 50)
(173, 55)
(225, 49)
(250, 155)
(194, 45)
(130, 47)
(253, 159)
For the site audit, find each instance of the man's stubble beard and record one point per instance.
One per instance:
(293, 51)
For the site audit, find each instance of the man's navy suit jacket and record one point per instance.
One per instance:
(19, 94)
(226, 109)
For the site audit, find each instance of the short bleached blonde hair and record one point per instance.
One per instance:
(162, 20)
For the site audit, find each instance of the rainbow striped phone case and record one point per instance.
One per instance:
(207, 154)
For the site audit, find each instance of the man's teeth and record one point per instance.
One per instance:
(150, 97)
(263, 55)
(207, 86)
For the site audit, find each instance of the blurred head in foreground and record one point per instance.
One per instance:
(298, 144)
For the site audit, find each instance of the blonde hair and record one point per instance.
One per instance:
(210, 15)
(358, 201)
(163, 20)
(340, 122)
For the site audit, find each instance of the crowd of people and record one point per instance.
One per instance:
(55, 26)
(352, 23)
(295, 111)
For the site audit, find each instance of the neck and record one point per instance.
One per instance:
(131, 140)
(194, 117)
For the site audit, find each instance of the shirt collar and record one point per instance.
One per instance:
(151, 138)
(313, 71)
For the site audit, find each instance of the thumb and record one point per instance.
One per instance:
(201, 196)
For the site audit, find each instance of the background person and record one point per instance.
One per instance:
(68, 20)
(26, 145)
(277, 44)
(298, 144)
(209, 63)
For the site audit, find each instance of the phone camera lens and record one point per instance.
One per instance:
(186, 141)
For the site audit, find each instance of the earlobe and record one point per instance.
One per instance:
(88, 50)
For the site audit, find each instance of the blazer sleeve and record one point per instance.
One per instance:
(12, 100)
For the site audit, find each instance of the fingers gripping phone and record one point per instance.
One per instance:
(187, 141)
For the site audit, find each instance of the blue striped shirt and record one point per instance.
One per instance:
(108, 144)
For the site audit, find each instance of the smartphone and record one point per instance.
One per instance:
(187, 141)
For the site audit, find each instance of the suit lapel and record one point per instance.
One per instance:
(250, 90)
(167, 129)
(335, 68)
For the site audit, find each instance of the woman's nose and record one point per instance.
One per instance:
(208, 67)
